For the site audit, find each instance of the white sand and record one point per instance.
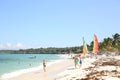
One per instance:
(73, 74)
(65, 70)
(50, 74)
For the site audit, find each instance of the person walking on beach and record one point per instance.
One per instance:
(44, 65)
(76, 61)
(80, 61)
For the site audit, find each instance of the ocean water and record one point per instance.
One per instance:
(15, 64)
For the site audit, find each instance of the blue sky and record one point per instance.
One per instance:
(56, 23)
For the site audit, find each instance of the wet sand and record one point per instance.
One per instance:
(50, 74)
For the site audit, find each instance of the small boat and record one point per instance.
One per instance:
(34, 57)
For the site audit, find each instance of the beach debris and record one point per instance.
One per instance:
(102, 69)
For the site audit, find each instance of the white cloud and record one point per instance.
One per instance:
(9, 45)
(20, 46)
(16, 46)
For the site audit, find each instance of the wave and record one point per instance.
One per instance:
(23, 71)
(19, 72)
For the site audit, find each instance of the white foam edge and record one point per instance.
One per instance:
(23, 71)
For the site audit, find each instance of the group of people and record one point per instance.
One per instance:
(78, 61)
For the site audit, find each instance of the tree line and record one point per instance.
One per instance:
(109, 44)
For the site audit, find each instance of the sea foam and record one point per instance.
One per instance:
(23, 71)
(19, 72)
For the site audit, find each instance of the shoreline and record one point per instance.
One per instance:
(50, 73)
(30, 68)
(65, 70)
(25, 71)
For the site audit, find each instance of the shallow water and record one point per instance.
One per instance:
(14, 62)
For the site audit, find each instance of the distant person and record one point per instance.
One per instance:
(29, 64)
(44, 65)
(76, 61)
(80, 61)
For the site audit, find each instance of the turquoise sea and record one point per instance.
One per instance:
(12, 64)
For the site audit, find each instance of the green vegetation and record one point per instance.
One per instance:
(110, 44)
(107, 45)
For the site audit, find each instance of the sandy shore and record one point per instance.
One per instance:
(102, 68)
(50, 74)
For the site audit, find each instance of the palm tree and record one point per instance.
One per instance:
(107, 44)
(91, 46)
(116, 40)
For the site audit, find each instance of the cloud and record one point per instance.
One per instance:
(20, 46)
(17, 46)
(9, 45)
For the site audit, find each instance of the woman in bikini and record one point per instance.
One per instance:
(44, 65)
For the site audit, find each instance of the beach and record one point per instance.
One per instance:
(50, 73)
(94, 69)
(102, 68)
(16, 64)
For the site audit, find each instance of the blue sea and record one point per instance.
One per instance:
(15, 64)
